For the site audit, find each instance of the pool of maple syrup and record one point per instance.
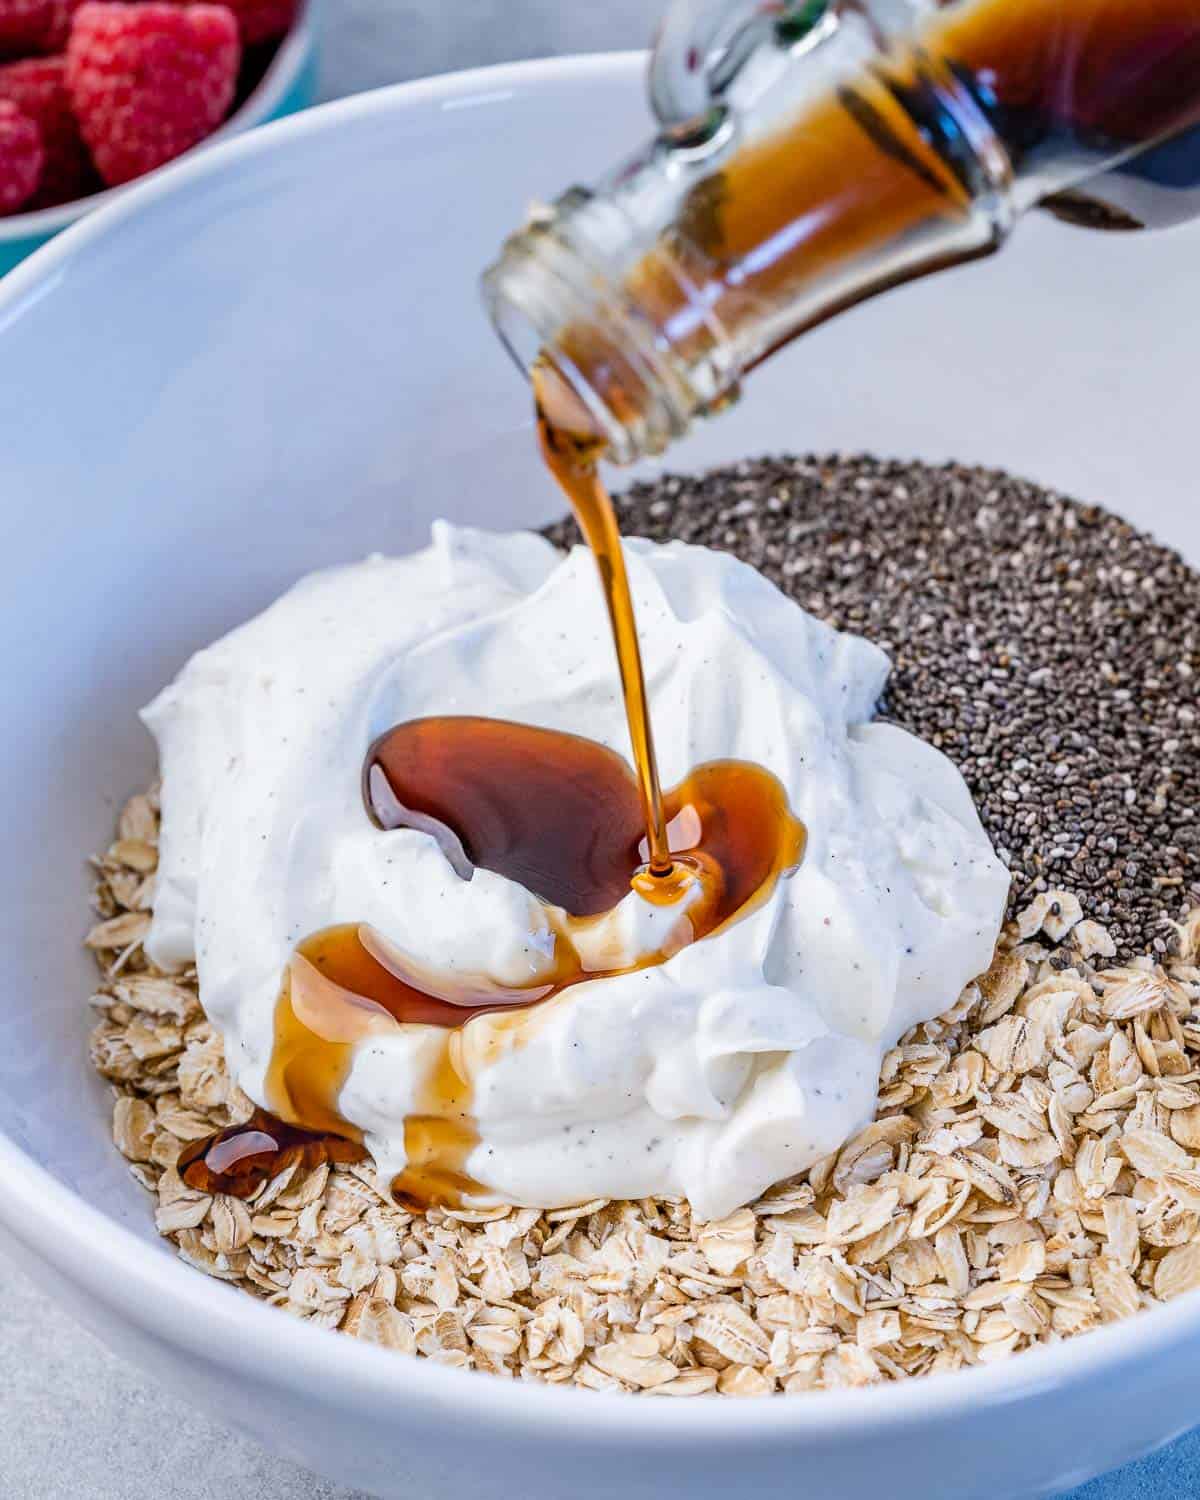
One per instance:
(561, 815)
(242, 1158)
(554, 812)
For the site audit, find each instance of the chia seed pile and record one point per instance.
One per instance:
(1047, 647)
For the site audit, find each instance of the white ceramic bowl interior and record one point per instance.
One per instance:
(274, 358)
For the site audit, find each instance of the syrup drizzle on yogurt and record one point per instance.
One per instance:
(562, 816)
(559, 813)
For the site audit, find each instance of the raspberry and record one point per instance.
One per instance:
(37, 87)
(61, 12)
(21, 157)
(147, 82)
(24, 26)
(262, 20)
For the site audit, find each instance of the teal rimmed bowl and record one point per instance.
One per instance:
(288, 84)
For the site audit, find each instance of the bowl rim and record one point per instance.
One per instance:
(223, 1327)
(263, 99)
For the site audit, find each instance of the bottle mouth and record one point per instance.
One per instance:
(527, 332)
(552, 295)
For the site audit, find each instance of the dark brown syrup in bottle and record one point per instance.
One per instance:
(873, 182)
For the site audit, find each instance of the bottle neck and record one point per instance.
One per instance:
(879, 143)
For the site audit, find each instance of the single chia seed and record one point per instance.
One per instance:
(1047, 647)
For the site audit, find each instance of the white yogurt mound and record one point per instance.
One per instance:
(736, 1063)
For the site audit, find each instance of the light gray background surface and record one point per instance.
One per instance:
(75, 1423)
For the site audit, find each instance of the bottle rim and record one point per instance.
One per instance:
(546, 292)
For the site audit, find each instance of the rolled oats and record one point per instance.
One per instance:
(1029, 1175)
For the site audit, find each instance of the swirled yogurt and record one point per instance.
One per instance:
(739, 1060)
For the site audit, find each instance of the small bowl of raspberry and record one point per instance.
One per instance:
(97, 93)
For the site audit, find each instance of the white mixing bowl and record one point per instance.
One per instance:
(272, 357)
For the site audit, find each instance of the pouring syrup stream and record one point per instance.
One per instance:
(572, 447)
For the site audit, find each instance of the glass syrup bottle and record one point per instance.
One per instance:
(812, 154)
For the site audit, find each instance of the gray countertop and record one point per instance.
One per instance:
(74, 1421)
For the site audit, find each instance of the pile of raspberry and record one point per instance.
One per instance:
(96, 93)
